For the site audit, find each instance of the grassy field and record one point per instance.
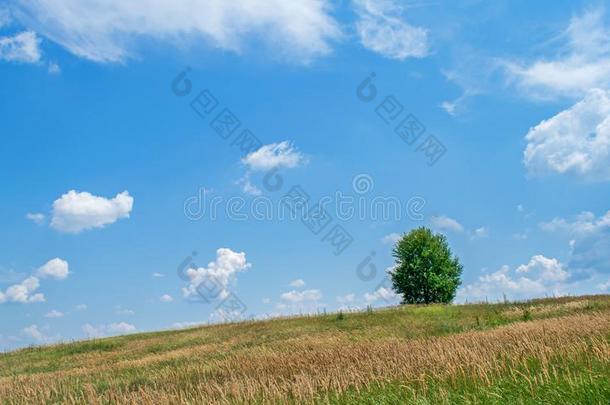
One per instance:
(554, 351)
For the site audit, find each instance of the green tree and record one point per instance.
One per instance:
(425, 271)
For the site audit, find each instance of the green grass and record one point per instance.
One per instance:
(178, 362)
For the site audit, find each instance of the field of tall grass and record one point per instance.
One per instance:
(554, 351)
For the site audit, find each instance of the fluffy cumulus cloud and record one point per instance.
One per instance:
(589, 237)
(54, 268)
(23, 47)
(382, 30)
(445, 223)
(119, 328)
(583, 62)
(576, 141)
(166, 298)
(213, 280)
(540, 276)
(547, 269)
(77, 211)
(299, 301)
(384, 294)
(274, 155)
(298, 297)
(37, 334)
(23, 293)
(107, 31)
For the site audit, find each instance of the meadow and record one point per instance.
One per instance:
(553, 351)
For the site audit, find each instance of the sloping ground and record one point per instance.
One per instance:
(544, 351)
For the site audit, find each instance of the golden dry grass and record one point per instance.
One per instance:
(292, 361)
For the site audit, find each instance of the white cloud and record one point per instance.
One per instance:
(548, 269)
(81, 307)
(382, 293)
(445, 223)
(583, 64)
(297, 297)
(274, 155)
(214, 279)
(541, 275)
(247, 186)
(391, 238)
(346, 299)
(589, 240)
(604, 286)
(166, 298)
(23, 293)
(121, 327)
(575, 141)
(158, 275)
(5, 17)
(382, 30)
(474, 75)
(33, 332)
(107, 31)
(55, 268)
(450, 107)
(585, 223)
(54, 314)
(481, 232)
(22, 47)
(105, 330)
(266, 300)
(76, 211)
(91, 331)
(53, 68)
(124, 311)
(37, 218)
(298, 283)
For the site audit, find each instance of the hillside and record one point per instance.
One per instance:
(548, 350)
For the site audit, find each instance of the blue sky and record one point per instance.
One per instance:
(111, 179)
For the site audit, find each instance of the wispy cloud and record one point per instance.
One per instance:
(23, 47)
(582, 64)
(109, 31)
(382, 30)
